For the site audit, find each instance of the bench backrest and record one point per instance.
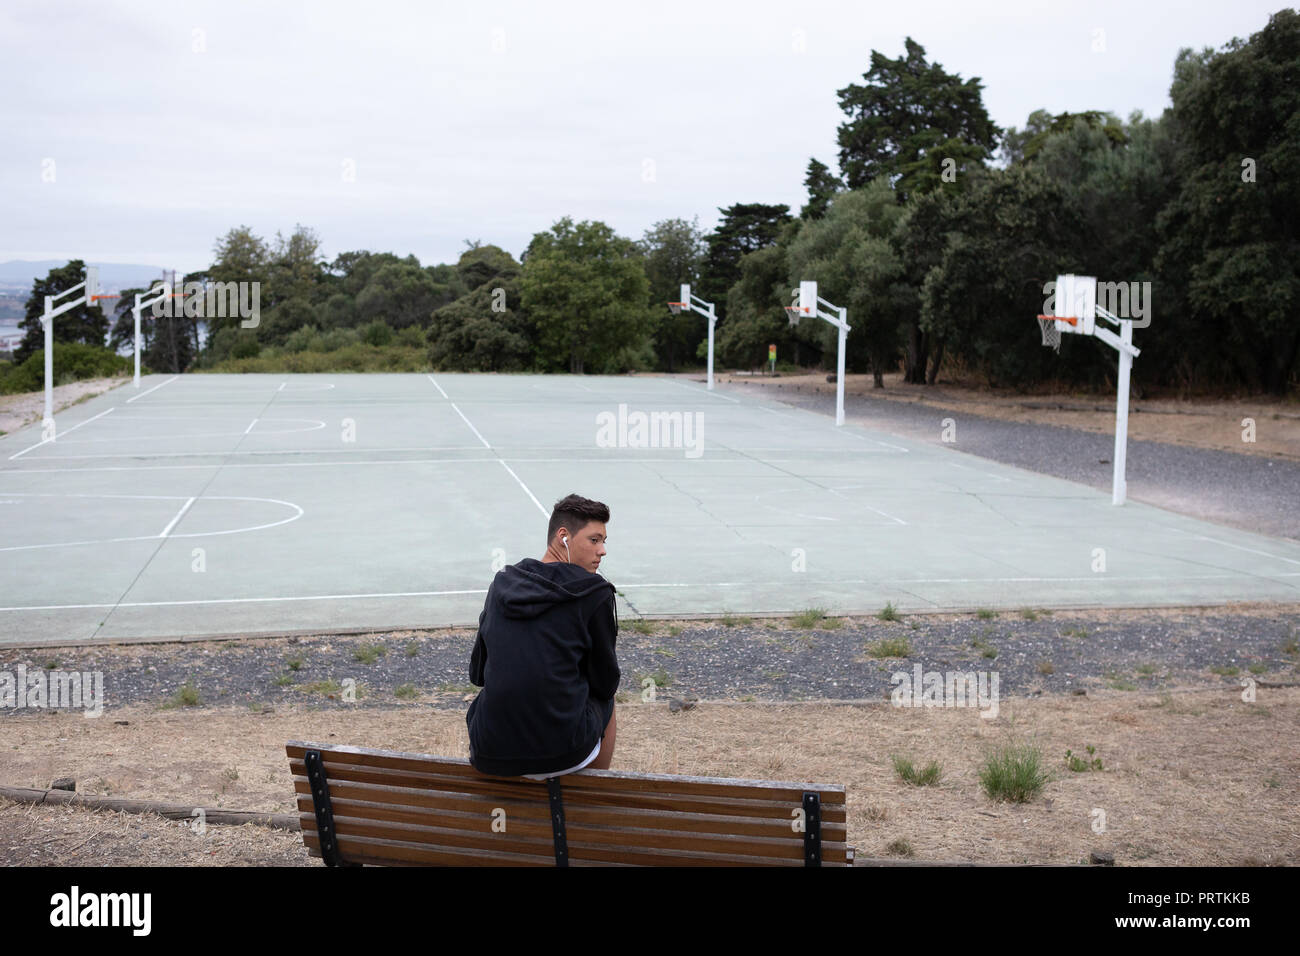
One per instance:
(390, 808)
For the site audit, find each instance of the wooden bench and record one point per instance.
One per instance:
(385, 808)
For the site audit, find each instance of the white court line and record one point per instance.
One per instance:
(256, 600)
(692, 388)
(868, 507)
(437, 386)
(154, 389)
(56, 433)
(171, 524)
(248, 429)
(525, 487)
(315, 424)
(1228, 544)
(689, 584)
(151, 537)
(471, 426)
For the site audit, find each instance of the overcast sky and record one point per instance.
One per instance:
(411, 127)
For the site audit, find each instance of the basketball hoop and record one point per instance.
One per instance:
(795, 314)
(1052, 331)
(676, 307)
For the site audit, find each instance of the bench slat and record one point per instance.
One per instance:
(576, 791)
(596, 779)
(388, 803)
(356, 847)
(523, 837)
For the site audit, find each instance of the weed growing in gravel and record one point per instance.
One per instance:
(294, 663)
(1029, 614)
(456, 688)
(187, 696)
(1291, 646)
(330, 686)
(1228, 671)
(809, 618)
(368, 653)
(1257, 669)
(674, 629)
(1146, 670)
(985, 614)
(405, 692)
(890, 647)
(888, 612)
(283, 680)
(1014, 773)
(907, 772)
(1046, 667)
(732, 620)
(1082, 764)
(1117, 681)
(52, 664)
(641, 625)
(986, 649)
(412, 649)
(665, 652)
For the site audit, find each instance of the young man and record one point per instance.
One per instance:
(545, 656)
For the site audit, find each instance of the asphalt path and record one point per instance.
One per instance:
(1250, 492)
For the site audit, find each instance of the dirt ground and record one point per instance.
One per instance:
(1201, 423)
(1192, 777)
(27, 407)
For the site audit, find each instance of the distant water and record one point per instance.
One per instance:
(11, 335)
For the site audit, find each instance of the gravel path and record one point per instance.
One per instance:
(770, 659)
(1244, 491)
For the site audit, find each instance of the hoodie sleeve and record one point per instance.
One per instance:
(602, 664)
(478, 657)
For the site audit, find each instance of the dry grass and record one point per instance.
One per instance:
(1194, 778)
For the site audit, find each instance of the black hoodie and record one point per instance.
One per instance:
(544, 657)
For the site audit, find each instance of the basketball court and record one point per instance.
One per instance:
(222, 504)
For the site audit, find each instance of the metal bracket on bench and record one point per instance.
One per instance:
(557, 821)
(320, 800)
(812, 829)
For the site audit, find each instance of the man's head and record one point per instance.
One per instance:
(576, 533)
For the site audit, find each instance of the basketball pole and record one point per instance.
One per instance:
(1119, 484)
(695, 304)
(810, 304)
(88, 290)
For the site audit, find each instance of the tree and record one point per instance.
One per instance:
(822, 185)
(745, 228)
(907, 119)
(1230, 249)
(402, 294)
(849, 254)
(673, 250)
(586, 288)
(479, 264)
(82, 324)
(484, 330)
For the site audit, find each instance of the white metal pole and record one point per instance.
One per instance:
(1119, 487)
(839, 371)
(136, 312)
(48, 321)
(712, 318)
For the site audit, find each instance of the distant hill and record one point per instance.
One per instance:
(17, 275)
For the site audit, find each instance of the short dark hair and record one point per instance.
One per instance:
(575, 513)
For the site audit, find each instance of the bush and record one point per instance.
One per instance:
(412, 336)
(337, 339)
(305, 339)
(73, 361)
(246, 346)
(376, 333)
(1014, 773)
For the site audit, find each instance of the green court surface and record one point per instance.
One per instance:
(224, 504)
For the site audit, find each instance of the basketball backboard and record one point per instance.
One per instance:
(808, 298)
(1077, 296)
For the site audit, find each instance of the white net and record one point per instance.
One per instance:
(676, 307)
(1051, 333)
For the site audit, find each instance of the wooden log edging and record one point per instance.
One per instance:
(172, 811)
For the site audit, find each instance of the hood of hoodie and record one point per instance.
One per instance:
(533, 587)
